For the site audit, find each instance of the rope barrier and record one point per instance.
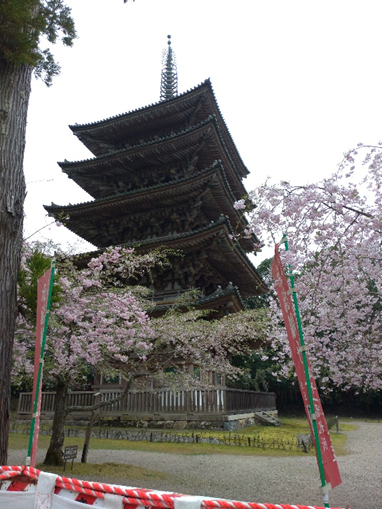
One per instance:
(135, 496)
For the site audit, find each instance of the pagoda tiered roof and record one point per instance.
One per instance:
(144, 124)
(96, 222)
(170, 157)
(215, 252)
(223, 256)
(167, 175)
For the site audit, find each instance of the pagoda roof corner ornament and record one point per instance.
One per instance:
(169, 74)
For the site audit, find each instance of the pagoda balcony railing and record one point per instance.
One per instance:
(168, 296)
(158, 401)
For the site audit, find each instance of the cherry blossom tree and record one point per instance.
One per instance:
(100, 324)
(334, 231)
(208, 343)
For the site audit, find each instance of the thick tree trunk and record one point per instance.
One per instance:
(54, 453)
(15, 87)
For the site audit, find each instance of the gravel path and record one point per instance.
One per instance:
(263, 479)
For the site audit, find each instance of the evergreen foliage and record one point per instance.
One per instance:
(23, 25)
(32, 268)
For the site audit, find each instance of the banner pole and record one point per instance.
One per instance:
(325, 487)
(35, 415)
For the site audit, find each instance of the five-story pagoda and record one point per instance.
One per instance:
(168, 175)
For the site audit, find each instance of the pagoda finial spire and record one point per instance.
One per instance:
(169, 75)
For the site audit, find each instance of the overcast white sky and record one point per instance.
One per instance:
(298, 84)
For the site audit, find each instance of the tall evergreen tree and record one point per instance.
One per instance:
(22, 24)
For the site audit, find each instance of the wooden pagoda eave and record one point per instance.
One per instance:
(158, 117)
(229, 302)
(142, 199)
(100, 136)
(223, 297)
(204, 139)
(91, 176)
(228, 299)
(224, 255)
(210, 183)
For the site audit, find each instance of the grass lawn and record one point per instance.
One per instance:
(110, 471)
(118, 473)
(280, 435)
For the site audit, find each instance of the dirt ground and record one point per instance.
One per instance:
(283, 480)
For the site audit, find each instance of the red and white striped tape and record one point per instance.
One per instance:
(21, 478)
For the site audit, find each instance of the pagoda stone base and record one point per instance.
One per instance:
(178, 421)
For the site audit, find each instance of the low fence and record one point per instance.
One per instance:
(299, 443)
(160, 401)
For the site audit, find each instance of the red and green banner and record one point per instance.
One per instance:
(44, 293)
(330, 475)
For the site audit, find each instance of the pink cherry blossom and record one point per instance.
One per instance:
(334, 231)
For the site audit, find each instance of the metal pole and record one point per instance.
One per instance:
(325, 494)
